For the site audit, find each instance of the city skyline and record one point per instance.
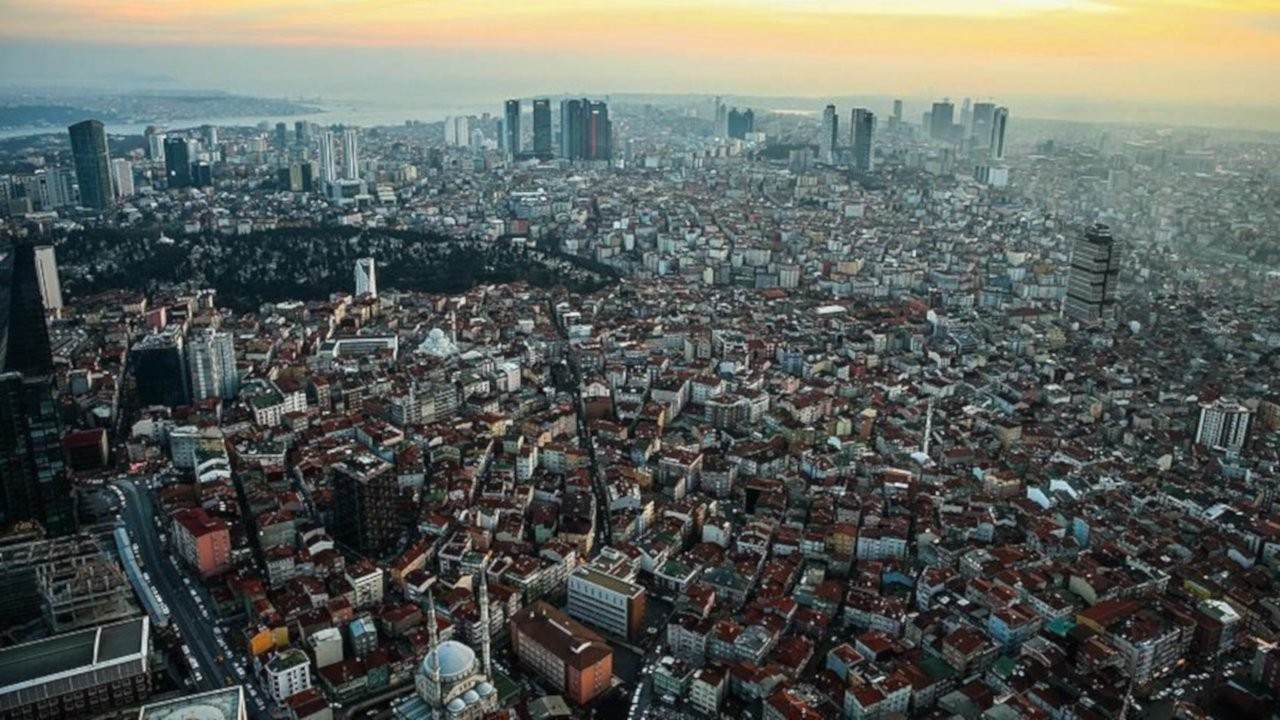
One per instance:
(1132, 50)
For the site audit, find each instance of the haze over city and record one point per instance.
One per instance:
(1140, 57)
(639, 360)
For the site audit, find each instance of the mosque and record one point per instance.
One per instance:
(451, 683)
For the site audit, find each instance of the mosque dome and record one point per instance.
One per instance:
(470, 697)
(437, 343)
(456, 661)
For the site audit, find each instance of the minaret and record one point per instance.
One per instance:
(928, 429)
(435, 644)
(484, 619)
(453, 326)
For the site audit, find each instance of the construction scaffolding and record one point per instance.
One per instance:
(69, 581)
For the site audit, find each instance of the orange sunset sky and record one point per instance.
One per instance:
(1224, 51)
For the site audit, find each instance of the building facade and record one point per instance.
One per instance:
(92, 163)
(562, 651)
(1093, 277)
(607, 602)
(202, 540)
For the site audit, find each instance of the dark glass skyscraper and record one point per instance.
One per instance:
(571, 129)
(999, 121)
(160, 370)
(177, 162)
(741, 123)
(864, 126)
(33, 479)
(586, 132)
(511, 128)
(93, 163)
(1094, 276)
(599, 133)
(542, 128)
(941, 119)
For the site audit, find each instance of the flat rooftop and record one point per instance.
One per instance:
(77, 651)
(221, 704)
(608, 582)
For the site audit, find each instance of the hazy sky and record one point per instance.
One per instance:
(1224, 51)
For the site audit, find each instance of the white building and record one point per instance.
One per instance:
(328, 166)
(122, 177)
(211, 357)
(366, 276)
(366, 579)
(288, 673)
(47, 273)
(327, 645)
(606, 602)
(350, 155)
(1223, 424)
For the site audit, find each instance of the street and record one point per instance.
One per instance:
(197, 631)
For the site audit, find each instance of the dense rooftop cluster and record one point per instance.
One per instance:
(834, 433)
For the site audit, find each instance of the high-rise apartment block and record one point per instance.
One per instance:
(1224, 424)
(211, 358)
(1093, 276)
(366, 277)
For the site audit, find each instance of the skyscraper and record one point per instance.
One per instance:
(302, 133)
(282, 136)
(366, 504)
(572, 129)
(511, 128)
(160, 369)
(966, 114)
(47, 273)
(542, 128)
(211, 358)
(864, 125)
(93, 163)
(741, 123)
(983, 113)
(33, 479)
(941, 118)
(366, 277)
(722, 119)
(999, 120)
(462, 131)
(155, 143)
(209, 136)
(177, 162)
(586, 133)
(122, 177)
(830, 131)
(599, 132)
(1093, 277)
(328, 166)
(897, 110)
(350, 155)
